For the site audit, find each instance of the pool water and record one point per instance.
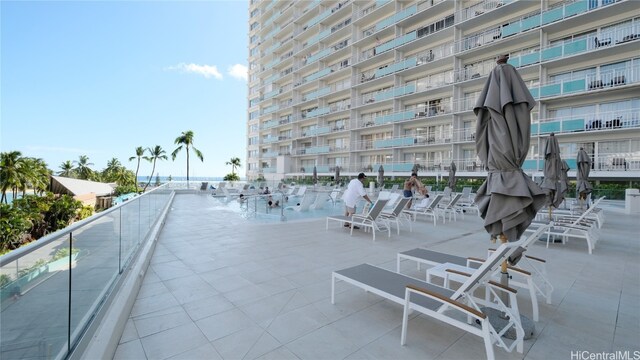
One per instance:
(256, 209)
(124, 197)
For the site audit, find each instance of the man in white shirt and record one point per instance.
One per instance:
(355, 189)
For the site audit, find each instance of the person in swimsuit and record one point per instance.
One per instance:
(409, 184)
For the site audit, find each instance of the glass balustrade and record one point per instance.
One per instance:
(52, 288)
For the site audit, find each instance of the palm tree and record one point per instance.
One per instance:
(66, 169)
(82, 167)
(122, 176)
(158, 153)
(11, 164)
(186, 140)
(235, 163)
(139, 154)
(36, 175)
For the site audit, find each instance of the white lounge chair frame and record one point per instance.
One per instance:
(576, 228)
(320, 201)
(450, 209)
(430, 210)
(535, 281)
(435, 301)
(370, 220)
(397, 215)
(305, 203)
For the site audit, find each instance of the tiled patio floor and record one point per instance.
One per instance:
(220, 287)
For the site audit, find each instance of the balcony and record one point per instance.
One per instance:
(605, 80)
(629, 119)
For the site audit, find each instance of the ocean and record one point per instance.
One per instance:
(182, 178)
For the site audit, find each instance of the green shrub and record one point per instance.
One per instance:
(85, 212)
(232, 177)
(126, 189)
(4, 280)
(32, 217)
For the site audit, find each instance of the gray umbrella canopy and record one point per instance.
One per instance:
(583, 161)
(452, 176)
(315, 175)
(337, 175)
(564, 175)
(381, 176)
(415, 168)
(552, 183)
(508, 199)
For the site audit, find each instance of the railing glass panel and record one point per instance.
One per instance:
(52, 288)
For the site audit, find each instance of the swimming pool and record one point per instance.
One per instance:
(122, 198)
(255, 208)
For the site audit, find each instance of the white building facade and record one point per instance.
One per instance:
(360, 84)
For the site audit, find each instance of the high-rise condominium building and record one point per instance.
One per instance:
(360, 84)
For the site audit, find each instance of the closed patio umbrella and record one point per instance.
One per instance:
(415, 168)
(381, 177)
(337, 175)
(564, 174)
(508, 200)
(452, 176)
(552, 183)
(315, 175)
(583, 187)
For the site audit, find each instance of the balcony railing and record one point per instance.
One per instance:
(569, 48)
(608, 79)
(588, 122)
(53, 288)
(405, 115)
(479, 9)
(530, 21)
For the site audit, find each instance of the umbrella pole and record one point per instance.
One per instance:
(504, 275)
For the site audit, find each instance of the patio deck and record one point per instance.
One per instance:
(221, 287)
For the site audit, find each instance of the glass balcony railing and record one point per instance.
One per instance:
(478, 9)
(418, 59)
(388, 94)
(570, 48)
(52, 288)
(527, 22)
(588, 122)
(608, 79)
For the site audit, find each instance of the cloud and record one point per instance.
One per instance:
(205, 70)
(239, 71)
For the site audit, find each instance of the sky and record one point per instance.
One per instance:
(100, 78)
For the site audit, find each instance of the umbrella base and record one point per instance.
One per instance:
(498, 322)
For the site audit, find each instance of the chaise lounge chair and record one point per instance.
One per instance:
(450, 208)
(534, 278)
(574, 228)
(320, 201)
(305, 203)
(437, 302)
(397, 215)
(428, 210)
(370, 220)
